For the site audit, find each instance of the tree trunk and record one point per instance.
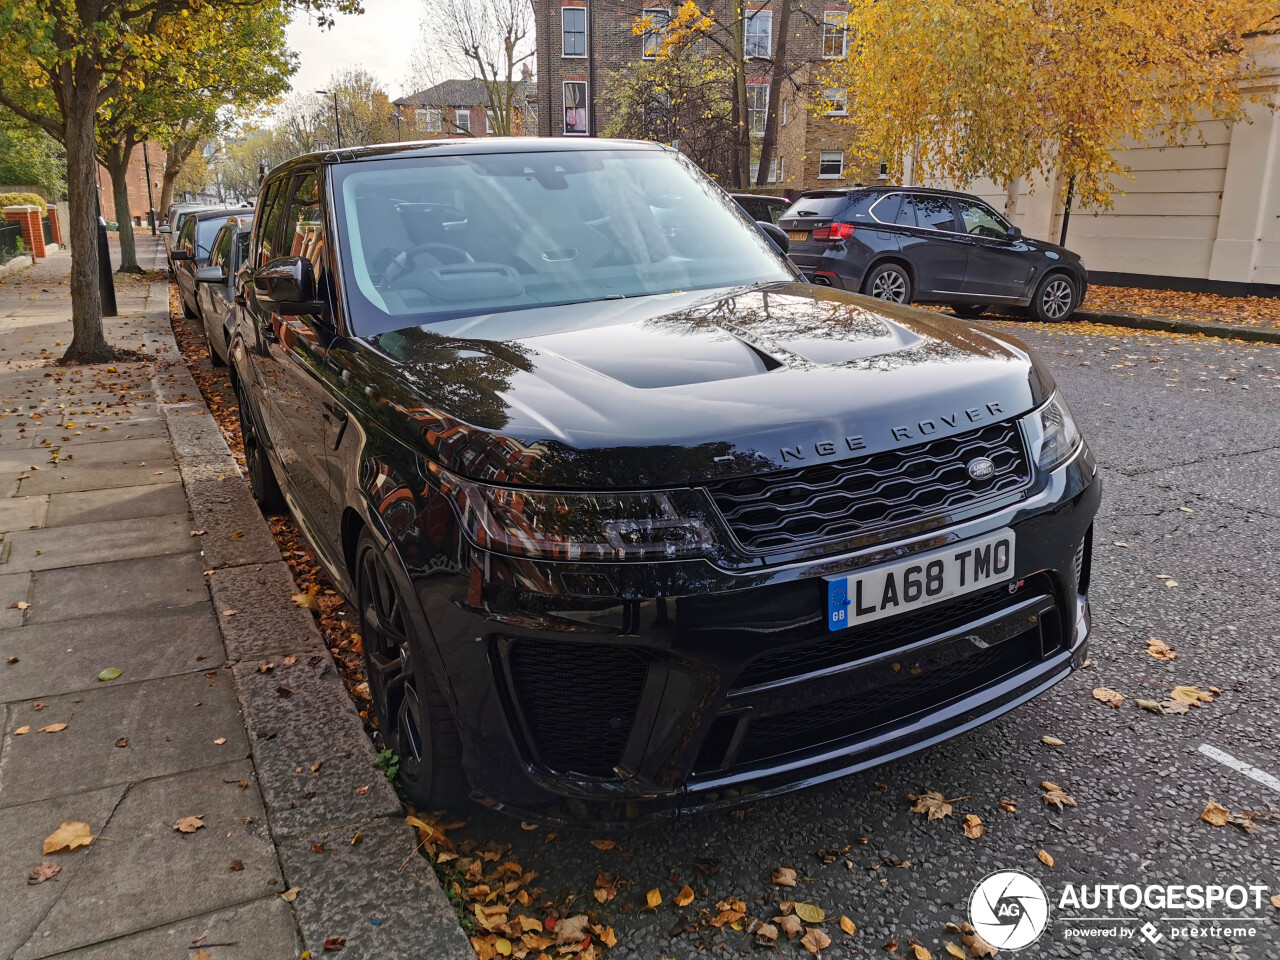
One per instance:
(742, 169)
(175, 156)
(88, 343)
(783, 10)
(116, 157)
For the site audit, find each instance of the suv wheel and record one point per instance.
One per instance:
(262, 482)
(1055, 299)
(414, 719)
(889, 281)
(968, 309)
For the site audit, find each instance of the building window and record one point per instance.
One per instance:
(462, 119)
(773, 169)
(782, 169)
(757, 107)
(573, 23)
(831, 165)
(485, 124)
(575, 107)
(658, 17)
(837, 99)
(785, 104)
(428, 121)
(835, 35)
(759, 39)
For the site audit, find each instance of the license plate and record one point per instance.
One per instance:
(798, 236)
(927, 578)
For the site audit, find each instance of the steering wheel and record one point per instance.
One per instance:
(402, 264)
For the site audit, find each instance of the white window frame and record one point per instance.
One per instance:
(462, 119)
(782, 169)
(485, 123)
(824, 157)
(773, 169)
(782, 121)
(757, 115)
(586, 40)
(837, 111)
(651, 40)
(752, 18)
(831, 19)
(586, 98)
(428, 119)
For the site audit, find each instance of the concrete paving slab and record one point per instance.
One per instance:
(67, 655)
(148, 876)
(211, 467)
(73, 592)
(234, 532)
(268, 625)
(22, 833)
(119, 503)
(258, 930)
(297, 716)
(396, 910)
(76, 475)
(90, 543)
(166, 732)
(22, 513)
(119, 450)
(14, 588)
(110, 429)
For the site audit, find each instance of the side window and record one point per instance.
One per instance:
(981, 222)
(187, 236)
(221, 248)
(929, 212)
(304, 233)
(886, 208)
(265, 234)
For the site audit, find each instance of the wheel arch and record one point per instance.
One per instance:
(880, 261)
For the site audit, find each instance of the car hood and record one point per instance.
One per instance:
(684, 388)
(1052, 250)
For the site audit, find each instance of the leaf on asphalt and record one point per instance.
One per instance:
(525, 825)
(1160, 650)
(603, 844)
(955, 950)
(201, 955)
(1055, 796)
(1051, 741)
(685, 896)
(189, 824)
(334, 944)
(220, 741)
(766, 934)
(1275, 901)
(848, 926)
(54, 728)
(1164, 706)
(784, 876)
(1044, 857)
(1008, 806)
(71, 834)
(306, 601)
(920, 953)
(22, 730)
(931, 803)
(653, 899)
(973, 828)
(1191, 696)
(572, 929)
(810, 912)
(229, 613)
(1219, 816)
(46, 871)
(109, 674)
(977, 947)
(814, 940)
(236, 866)
(790, 925)
(1108, 696)
(291, 894)
(606, 887)
(608, 937)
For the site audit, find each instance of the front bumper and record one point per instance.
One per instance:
(609, 694)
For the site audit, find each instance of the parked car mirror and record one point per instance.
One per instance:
(1015, 233)
(287, 286)
(211, 275)
(776, 234)
(164, 228)
(179, 254)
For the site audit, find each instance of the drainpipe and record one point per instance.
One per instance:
(591, 70)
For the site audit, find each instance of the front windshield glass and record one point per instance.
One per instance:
(425, 240)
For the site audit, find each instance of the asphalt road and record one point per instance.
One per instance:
(1187, 431)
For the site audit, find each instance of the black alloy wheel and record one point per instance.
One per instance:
(415, 721)
(890, 282)
(1055, 299)
(262, 482)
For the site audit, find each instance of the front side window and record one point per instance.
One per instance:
(658, 18)
(463, 120)
(206, 233)
(759, 38)
(573, 21)
(304, 225)
(575, 107)
(835, 35)
(757, 107)
(428, 120)
(831, 165)
(221, 247)
(268, 219)
(480, 241)
(981, 222)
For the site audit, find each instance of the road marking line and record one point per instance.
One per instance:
(1248, 769)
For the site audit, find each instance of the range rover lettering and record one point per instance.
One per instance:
(637, 520)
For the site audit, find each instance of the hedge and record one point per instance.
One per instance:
(23, 199)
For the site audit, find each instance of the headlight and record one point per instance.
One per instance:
(555, 525)
(1052, 433)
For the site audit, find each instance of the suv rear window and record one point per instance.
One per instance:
(824, 205)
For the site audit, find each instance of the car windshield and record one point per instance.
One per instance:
(206, 231)
(427, 240)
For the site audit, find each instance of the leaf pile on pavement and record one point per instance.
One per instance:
(1217, 815)
(1176, 305)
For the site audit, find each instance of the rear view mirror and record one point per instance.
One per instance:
(776, 234)
(287, 286)
(164, 228)
(180, 254)
(1015, 233)
(211, 275)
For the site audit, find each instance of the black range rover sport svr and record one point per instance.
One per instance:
(638, 521)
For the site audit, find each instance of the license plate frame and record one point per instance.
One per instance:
(921, 580)
(797, 236)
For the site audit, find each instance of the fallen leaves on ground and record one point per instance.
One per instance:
(973, 827)
(109, 674)
(603, 844)
(291, 894)
(54, 728)
(932, 804)
(790, 925)
(189, 824)
(70, 835)
(976, 946)
(1055, 796)
(1044, 857)
(306, 601)
(810, 912)
(46, 871)
(684, 897)
(766, 934)
(1219, 816)
(1108, 696)
(653, 899)
(1051, 741)
(785, 876)
(1160, 650)
(920, 953)
(1164, 706)
(1275, 901)
(815, 941)
(21, 731)
(1179, 305)
(1191, 696)
(848, 926)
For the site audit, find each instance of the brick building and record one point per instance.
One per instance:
(457, 108)
(137, 177)
(580, 43)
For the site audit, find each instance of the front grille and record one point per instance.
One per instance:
(832, 501)
(810, 727)
(578, 700)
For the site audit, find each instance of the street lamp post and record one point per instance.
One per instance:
(337, 125)
(151, 202)
(399, 136)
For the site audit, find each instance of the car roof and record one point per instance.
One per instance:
(885, 188)
(211, 213)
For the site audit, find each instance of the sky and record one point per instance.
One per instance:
(381, 41)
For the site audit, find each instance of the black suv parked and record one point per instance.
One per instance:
(635, 518)
(907, 244)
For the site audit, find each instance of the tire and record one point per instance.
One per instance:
(214, 359)
(890, 282)
(262, 482)
(969, 309)
(1055, 299)
(186, 311)
(413, 716)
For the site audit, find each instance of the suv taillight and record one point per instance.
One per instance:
(837, 231)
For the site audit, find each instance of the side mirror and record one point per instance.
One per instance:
(165, 229)
(1015, 233)
(287, 286)
(211, 275)
(178, 253)
(776, 234)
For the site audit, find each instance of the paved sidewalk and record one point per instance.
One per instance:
(129, 542)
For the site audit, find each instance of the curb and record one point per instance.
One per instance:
(1138, 322)
(16, 264)
(335, 819)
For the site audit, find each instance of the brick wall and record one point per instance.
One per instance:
(137, 180)
(28, 218)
